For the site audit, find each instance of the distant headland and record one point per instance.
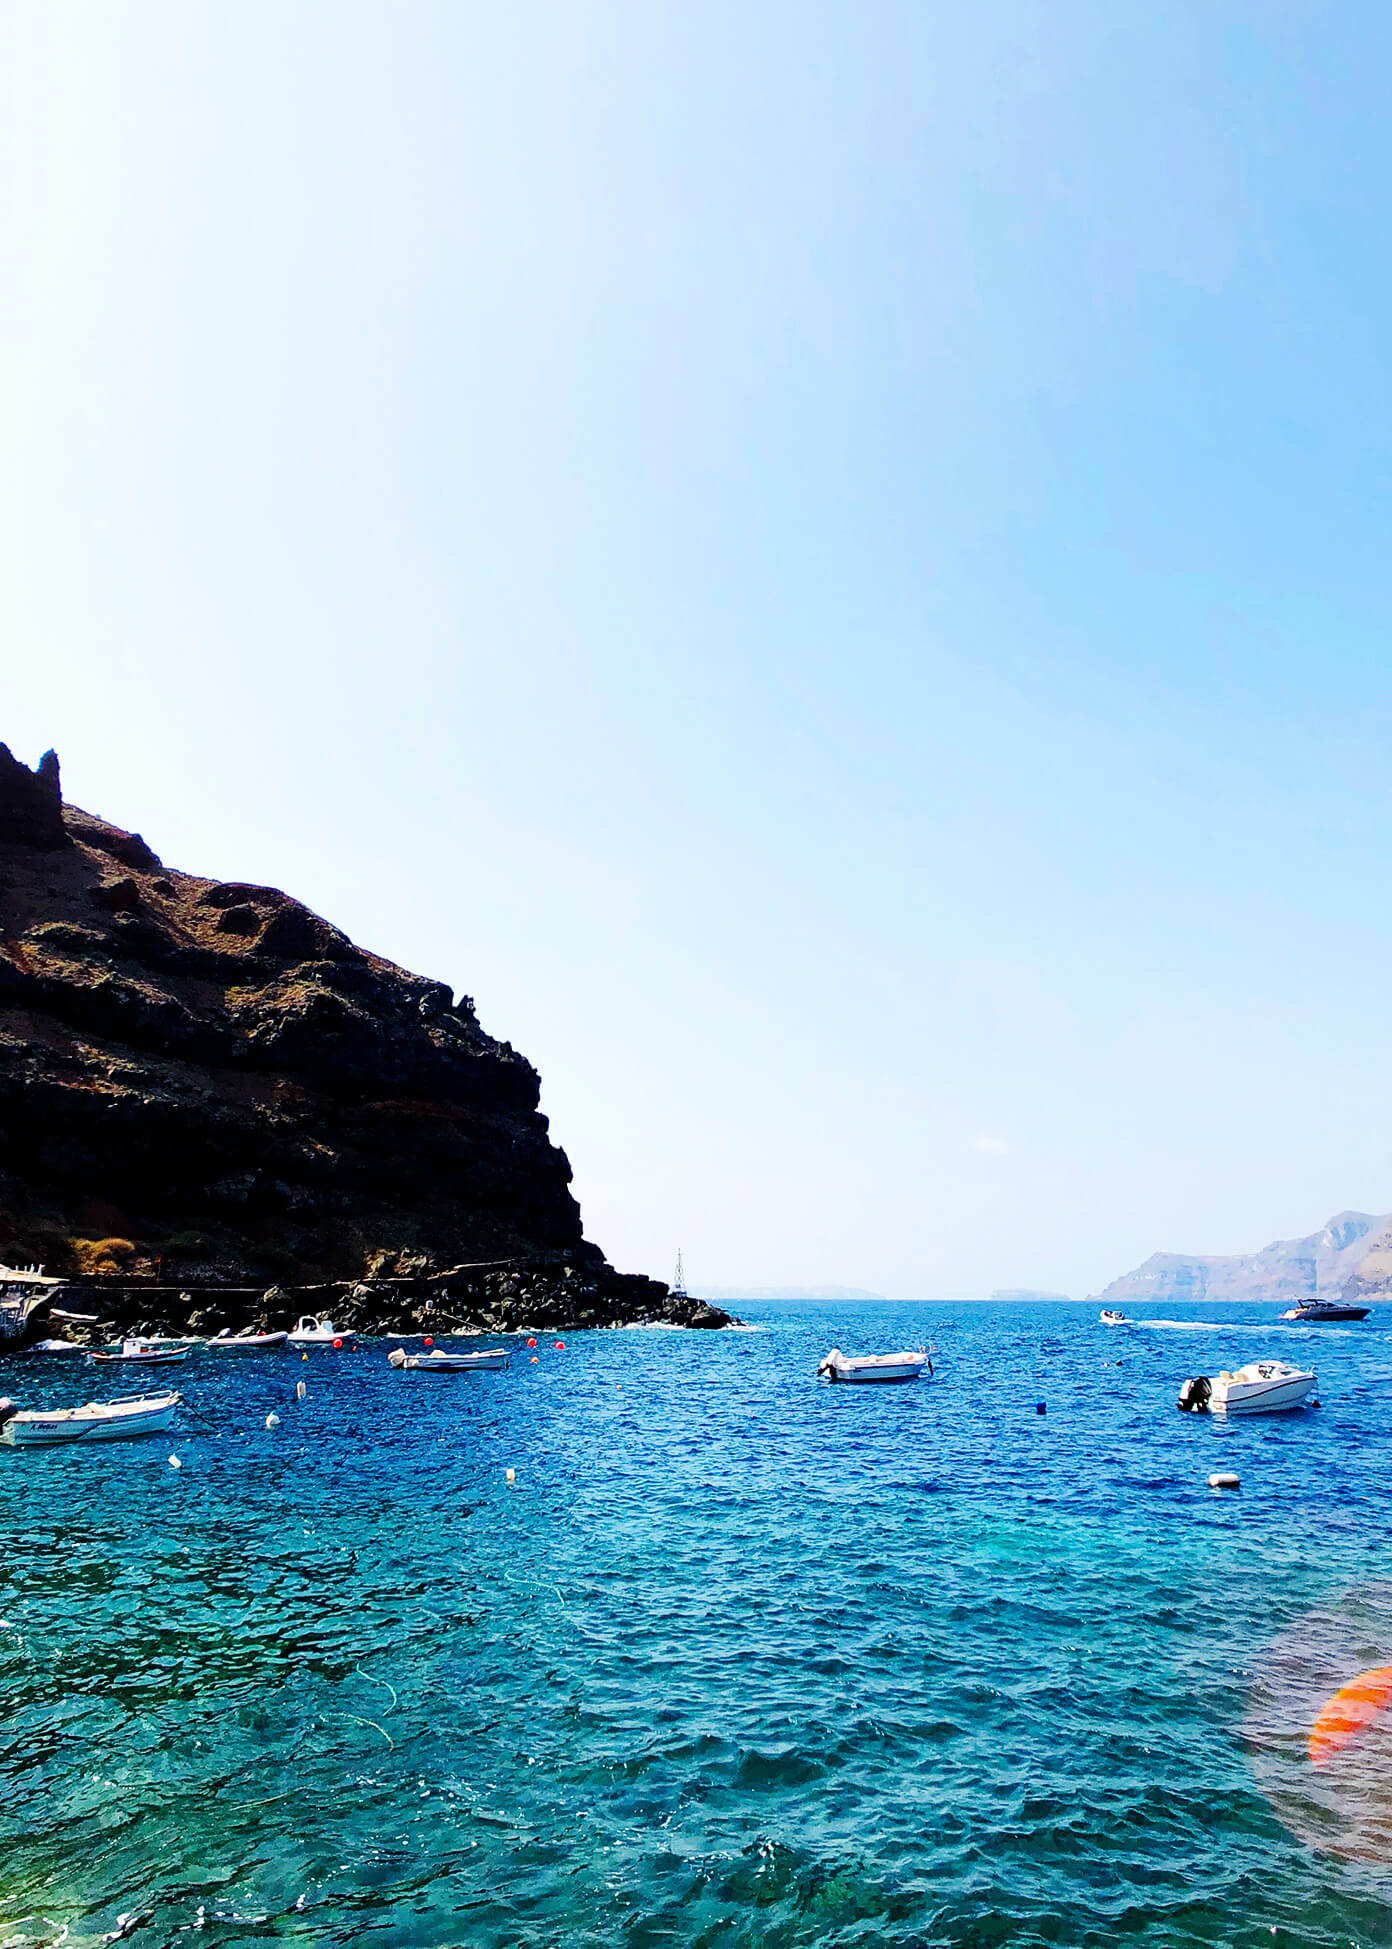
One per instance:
(208, 1091)
(1351, 1256)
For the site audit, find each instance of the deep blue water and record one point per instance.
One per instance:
(738, 1659)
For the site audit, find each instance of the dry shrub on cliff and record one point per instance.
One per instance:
(103, 1254)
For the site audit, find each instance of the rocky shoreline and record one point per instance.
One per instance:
(499, 1299)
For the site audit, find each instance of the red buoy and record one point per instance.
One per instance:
(531, 1339)
(428, 1341)
(338, 1345)
(560, 1346)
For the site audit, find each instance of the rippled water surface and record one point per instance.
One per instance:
(737, 1659)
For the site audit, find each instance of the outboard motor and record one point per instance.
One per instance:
(1193, 1396)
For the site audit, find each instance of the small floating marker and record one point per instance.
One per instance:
(560, 1346)
(304, 1356)
(1226, 1480)
(1040, 1408)
(338, 1346)
(272, 1420)
(534, 1360)
(531, 1339)
(299, 1390)
(512, 1475)
(428, 1341)
(174, 1462)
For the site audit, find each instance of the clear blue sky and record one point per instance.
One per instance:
(827, 563)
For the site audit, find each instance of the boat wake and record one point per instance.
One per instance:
(1245, 1326)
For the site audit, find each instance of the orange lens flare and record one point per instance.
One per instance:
(1349, 1713)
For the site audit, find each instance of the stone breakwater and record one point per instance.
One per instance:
(206, 1086)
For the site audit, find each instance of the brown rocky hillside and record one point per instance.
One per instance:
(201, 1080)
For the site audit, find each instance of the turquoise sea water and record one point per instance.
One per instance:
(737, 1659)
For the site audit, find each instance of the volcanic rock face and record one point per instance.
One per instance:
(1351, 1254)
(204, 1080)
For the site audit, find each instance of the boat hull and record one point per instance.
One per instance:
(162, 1357)
(873, 1369)
(454, 1363)
(109, 1421)
(248, 1343)
(1276, 1396)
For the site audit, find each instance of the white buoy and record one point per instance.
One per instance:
(174, 1462)
(299, 1390)
(1226, 1481)
(272, 1420)
(512, 1475)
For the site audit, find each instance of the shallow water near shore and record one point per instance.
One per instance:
(737, 1659)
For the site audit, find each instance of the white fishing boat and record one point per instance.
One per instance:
(1109, 1318)
(1261, 1387)
(438, 1361)
(23, 1290)
(144, 1353)
(129, 1414)
(874, 1367)
(246, 1342)
(309, 1332)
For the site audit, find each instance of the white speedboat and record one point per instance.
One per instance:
(439, 1362)
(1109, 1318)
(874, 1366)
(130, 1414)
(1261, 1387)
(144, 1353)
(309, 1332)
(246, 1342)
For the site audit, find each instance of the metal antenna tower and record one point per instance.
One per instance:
(679, 1282)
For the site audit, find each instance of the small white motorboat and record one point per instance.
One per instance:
(874, 1366)
(1109, 1318)
(439, 1362)
(309, 1332)
(129, 1414)
(54, 1346)
(144, 1353)
(1261, 1387)
(246, 1342)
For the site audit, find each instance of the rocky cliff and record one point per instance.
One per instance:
(204, 1083)
(1352, 1248)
